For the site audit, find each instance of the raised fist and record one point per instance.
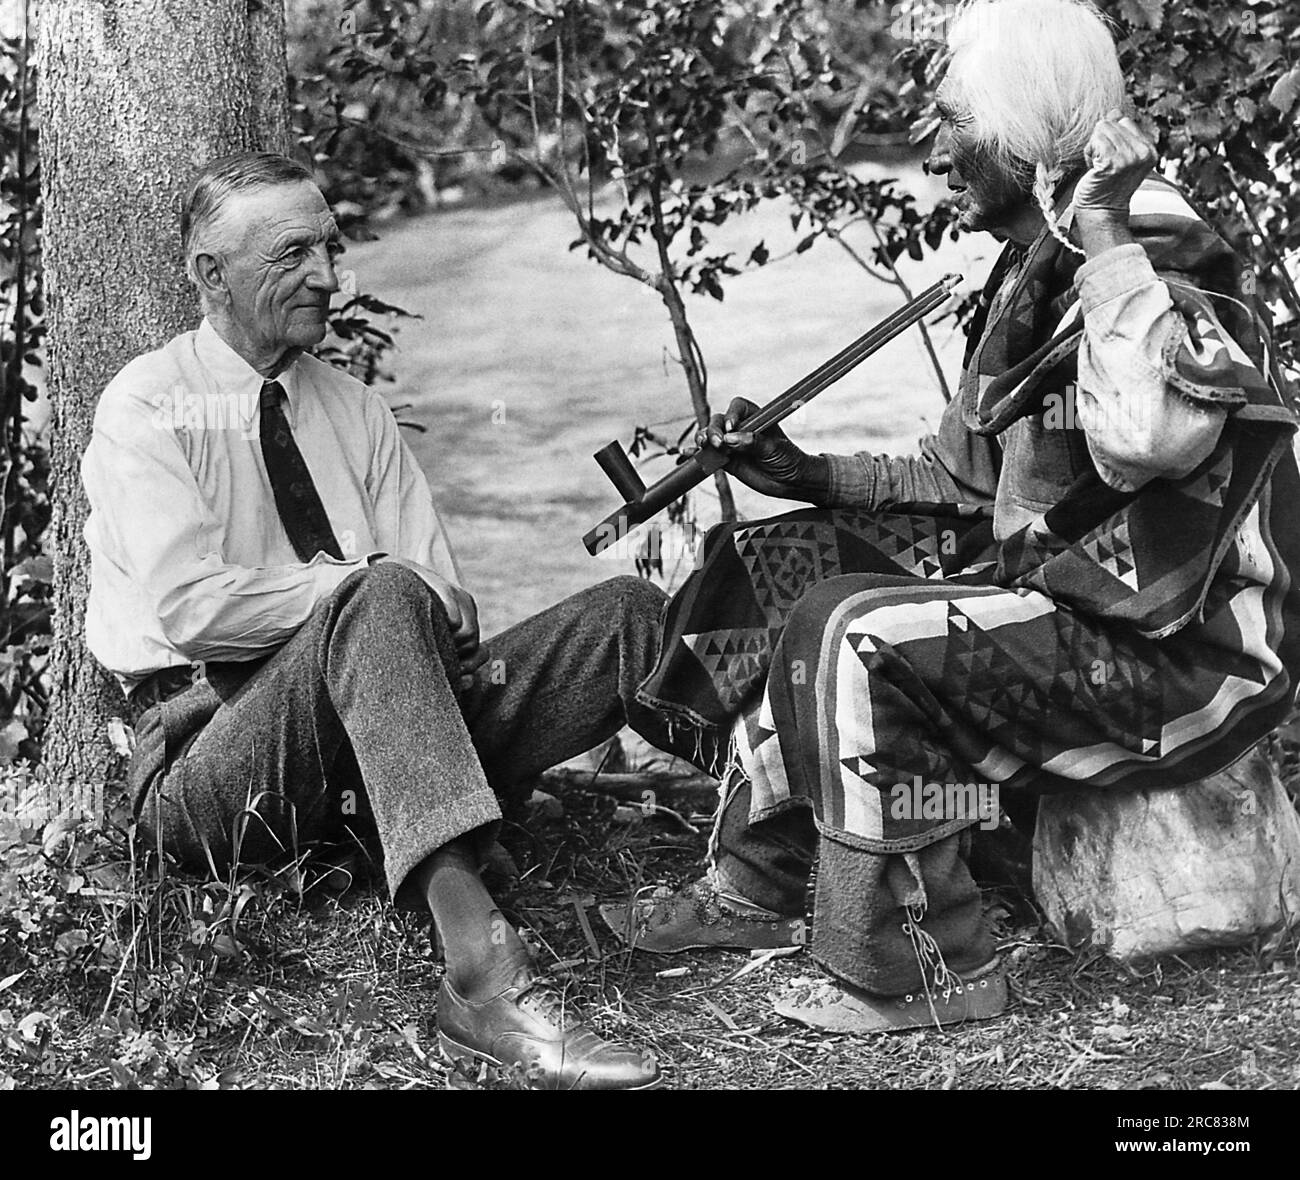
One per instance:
(1119, 157)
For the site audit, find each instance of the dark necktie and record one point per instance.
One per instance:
(296, 498)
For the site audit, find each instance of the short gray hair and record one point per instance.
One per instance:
(220, 179)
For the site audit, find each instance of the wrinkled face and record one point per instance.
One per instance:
(279, 265)
(986, 196)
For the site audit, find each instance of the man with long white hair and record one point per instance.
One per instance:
(1085, 579)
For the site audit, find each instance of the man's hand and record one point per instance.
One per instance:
(1119, 157)
(768, 462)
(462, 615)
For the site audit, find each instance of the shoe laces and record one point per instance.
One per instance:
(545, 999)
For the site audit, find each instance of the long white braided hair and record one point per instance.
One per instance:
(1035, 76)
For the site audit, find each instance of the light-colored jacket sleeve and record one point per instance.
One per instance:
(1151, 396)
(149, 520)
(406, 522)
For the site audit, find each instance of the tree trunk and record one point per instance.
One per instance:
(133, 96)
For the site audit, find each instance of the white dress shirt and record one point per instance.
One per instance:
(189, 560)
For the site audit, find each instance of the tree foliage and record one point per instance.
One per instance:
(1220, 86)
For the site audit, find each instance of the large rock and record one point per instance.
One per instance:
(1145, 873)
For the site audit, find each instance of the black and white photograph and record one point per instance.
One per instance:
(735, 545)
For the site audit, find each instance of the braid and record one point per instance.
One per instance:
(1045, 182)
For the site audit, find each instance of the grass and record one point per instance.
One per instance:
(114, 977)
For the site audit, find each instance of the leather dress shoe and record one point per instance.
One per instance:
(701, 916)
(529, 1029)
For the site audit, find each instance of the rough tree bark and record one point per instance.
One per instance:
(133, 95)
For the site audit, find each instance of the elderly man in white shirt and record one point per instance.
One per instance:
(272, 588)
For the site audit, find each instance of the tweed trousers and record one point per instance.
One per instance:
(359, 724)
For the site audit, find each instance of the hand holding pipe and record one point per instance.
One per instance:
(641, 502)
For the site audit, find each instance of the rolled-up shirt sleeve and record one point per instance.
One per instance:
(1158, 373)
(150, 519)
(952, 465)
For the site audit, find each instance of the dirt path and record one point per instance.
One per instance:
(529, 357)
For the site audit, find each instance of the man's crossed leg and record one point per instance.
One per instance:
(366, 698)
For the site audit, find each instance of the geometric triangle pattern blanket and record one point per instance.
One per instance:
(867, 665)
(722, 625)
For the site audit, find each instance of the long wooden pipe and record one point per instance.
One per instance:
(641, 502)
